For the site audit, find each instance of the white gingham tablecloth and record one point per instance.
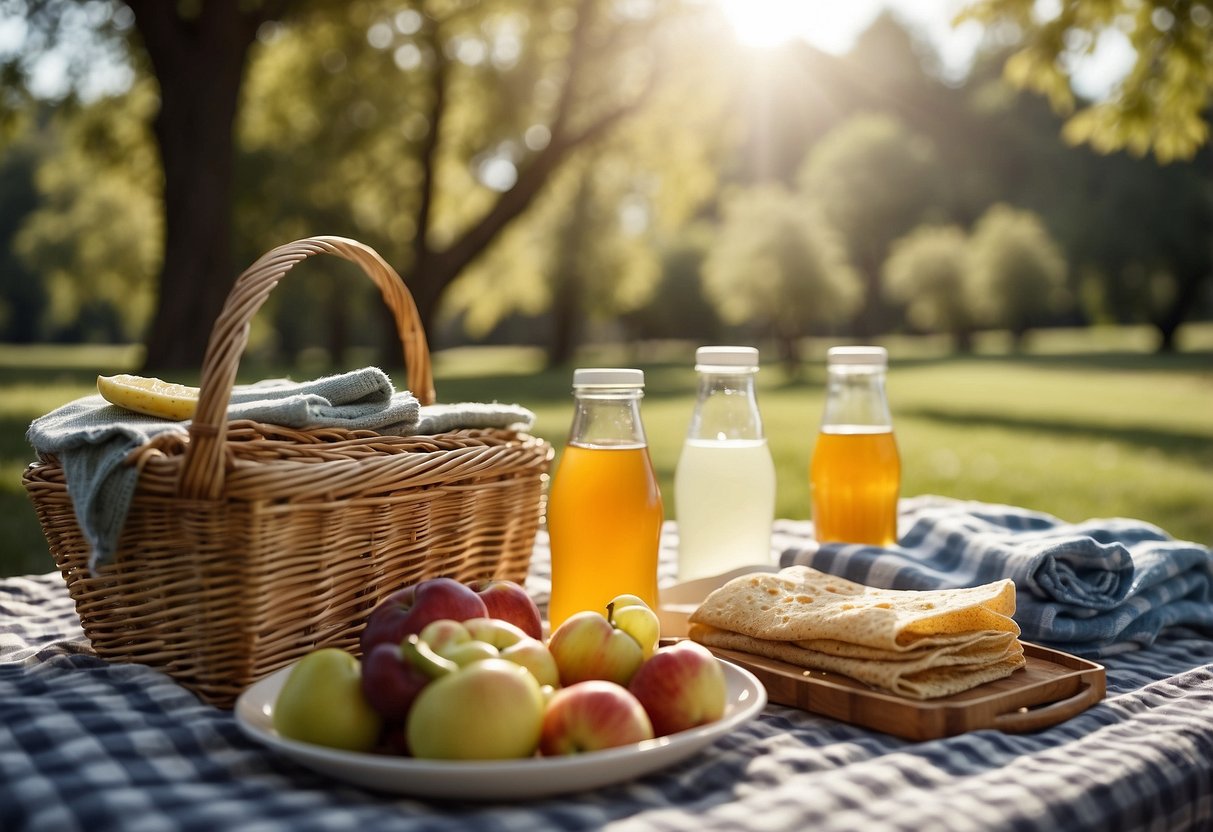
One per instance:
(87, 745)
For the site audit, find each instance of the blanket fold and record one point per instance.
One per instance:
(1094, 588)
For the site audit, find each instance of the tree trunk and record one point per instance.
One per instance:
(1185, 298)
(199, 63)
(567, 297)
(962, 340)
(566, 312)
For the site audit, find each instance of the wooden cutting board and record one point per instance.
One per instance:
(1051, 687)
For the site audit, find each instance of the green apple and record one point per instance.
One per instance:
(444, 634)
(628, 601)
(494, 631)
(534, 655)
(321, 702)
(454, 640)
(470, 652)
(490, 710)
(634, 617)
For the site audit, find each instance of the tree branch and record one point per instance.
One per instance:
(530, 183)
(577, 48)
(429, 152)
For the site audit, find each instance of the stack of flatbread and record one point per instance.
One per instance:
(920, 645)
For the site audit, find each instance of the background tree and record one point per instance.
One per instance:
(1161, 105)
(98, 185)
(680, 307)
(334, 135)
(927, 272)
(778, 264)
(22, 295)
(590, 250)
(1116, 216)
(579, 87)
(1144, 239)
(1018, 272)
(874, 180)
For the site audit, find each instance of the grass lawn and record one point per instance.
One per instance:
(1083, 424)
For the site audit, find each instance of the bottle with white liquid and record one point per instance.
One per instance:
(724, 486)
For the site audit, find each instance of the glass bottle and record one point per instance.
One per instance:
(724, 486)
(855, 474)
(604, 512)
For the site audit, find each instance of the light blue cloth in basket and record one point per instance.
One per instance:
(1094, 588)
(92, 437)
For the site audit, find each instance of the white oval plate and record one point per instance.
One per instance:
(494, 779)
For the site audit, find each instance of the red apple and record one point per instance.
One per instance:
(510, 602)
(592, 715)
(680, 687)
(389, 683)
(408, 610)
(587, 646)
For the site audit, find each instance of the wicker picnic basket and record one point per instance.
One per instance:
(247, 545)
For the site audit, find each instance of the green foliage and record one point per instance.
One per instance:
(875, 179)
(1018, 272)
(778, 263)
(1160, 106)
(95, 237)
(604, 219)
(927, 271)
(680, 307)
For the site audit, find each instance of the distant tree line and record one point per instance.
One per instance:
(538, 170)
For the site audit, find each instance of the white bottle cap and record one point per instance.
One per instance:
(741, 358)
(871, 356)
(608, 377)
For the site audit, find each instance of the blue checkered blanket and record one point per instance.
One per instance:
(1095, 588)
(86, 745)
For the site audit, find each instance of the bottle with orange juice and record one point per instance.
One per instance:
(604, 511)
(855, 474)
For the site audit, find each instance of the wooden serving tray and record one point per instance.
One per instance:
(1051, 687)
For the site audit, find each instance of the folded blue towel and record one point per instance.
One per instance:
(1094, 588)
(92, 437)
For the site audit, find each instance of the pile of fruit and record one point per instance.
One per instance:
(455, 672)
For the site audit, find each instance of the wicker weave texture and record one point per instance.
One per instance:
(248, 545)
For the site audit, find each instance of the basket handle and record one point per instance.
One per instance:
(202, 471)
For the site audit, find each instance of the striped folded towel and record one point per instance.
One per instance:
(1094, 588)
(92, 437)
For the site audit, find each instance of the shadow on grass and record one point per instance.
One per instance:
(1170, 442)
(24, 551)
(1120, 361)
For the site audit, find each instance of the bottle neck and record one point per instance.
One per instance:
(726, 408)
(855, 398)
(607, 417)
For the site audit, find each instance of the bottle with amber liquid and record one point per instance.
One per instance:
(604, 512)
(855, 474)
